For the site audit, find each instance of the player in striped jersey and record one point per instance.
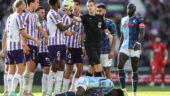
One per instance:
(56, 45)
(5, 59)
(15, 53)
(33, 27)
(74, 44)
(43, 58)
(132, 34)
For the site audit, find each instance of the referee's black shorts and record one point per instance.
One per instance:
(93, 53)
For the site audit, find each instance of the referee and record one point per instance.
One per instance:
(93, 24)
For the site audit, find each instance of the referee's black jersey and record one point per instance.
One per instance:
(92, 27)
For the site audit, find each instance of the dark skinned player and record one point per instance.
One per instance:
(132, 34)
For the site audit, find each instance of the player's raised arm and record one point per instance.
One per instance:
(77, 19)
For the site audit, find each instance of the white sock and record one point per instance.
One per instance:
(59, 78)
(30, 82)
(44, 82)
(27, 75)
(10, 77)
(133, 93)
(65, 84)
(6, 81)
(51, 80)
(124, 89)
(15, 81)
(72, 88)
(21, 82)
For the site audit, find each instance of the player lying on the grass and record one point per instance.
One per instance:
(94, 86)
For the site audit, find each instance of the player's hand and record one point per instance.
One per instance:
(151, 63)
(46, 41)
(26, 49)
(136, 46)
(68, 12)
(2, 54)
(111, 54)
(164, 61)
(72, 23)
(110, 37)
(38, 42)
(84, 52)
(69, 33)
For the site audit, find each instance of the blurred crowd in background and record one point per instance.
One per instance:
(157, 20)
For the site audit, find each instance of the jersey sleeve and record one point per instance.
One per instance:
(141, 23)
(55, 18)
(164, 47)
(112, 28)
(83, 18)
(65, 20)
(121, 26)
(103, 24)
(19, 22)
(25, 18)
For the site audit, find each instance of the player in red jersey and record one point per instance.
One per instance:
(159, 60)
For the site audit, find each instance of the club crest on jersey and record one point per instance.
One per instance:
(99, 24)
(57, 17)
(134, 21)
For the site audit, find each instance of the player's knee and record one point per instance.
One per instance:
(46, 70)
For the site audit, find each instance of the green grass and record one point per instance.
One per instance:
(142, 91)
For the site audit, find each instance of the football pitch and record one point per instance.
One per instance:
(142, 90)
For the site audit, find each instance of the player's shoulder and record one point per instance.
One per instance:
(139, 18)
(124, 19)
(107, 20)
(66, 16)
(162, 44)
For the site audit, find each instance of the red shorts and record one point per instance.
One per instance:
(158, 67)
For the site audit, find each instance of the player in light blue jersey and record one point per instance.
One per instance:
(132, 34)
(94, 86)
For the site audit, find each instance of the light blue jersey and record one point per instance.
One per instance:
(95, 83)
(130, 27)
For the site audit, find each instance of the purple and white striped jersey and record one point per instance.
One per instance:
(43, 46)
(30, 21)
(73, 41)
(14, 24)
(56, 37)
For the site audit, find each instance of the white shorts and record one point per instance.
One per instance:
(131, 52)
(81, 82)
(105, 61)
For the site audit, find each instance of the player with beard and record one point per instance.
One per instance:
(159, 60)
(107, 42)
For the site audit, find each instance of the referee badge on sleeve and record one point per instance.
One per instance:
(100, 24)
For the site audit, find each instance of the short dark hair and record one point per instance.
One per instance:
(78, 1)
(29, 1)
(91, 1)
(52, 2)
(39, 8)
(116, 92)
(101, 6)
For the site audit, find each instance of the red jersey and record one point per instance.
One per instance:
(158, 51)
